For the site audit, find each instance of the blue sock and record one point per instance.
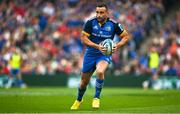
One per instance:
(99, 85)
(80, 93)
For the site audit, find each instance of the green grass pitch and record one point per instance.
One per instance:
(113, 100)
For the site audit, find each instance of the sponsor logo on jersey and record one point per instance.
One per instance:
(95, 27)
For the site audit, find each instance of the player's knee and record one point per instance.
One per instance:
(84, 83)
(100, 73)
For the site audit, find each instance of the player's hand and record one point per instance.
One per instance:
(115, 48)
(102, 49)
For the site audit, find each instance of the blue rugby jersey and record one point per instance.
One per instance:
(97, 33)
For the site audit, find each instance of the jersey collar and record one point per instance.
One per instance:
(101, 24)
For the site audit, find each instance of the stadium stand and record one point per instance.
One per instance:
(47, 34)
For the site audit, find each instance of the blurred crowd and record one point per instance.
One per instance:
(47, 35)
(162, 53)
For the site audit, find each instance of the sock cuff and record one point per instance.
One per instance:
(99, 80)
(81, 88)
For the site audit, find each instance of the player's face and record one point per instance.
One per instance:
(101, 14)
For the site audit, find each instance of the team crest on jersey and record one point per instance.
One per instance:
(108, 28)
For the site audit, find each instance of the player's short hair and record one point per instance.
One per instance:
(102, 5)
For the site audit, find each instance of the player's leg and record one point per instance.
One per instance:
(89, 65)
(10, 79)
(85, 77)
(100, 70)
(20, 80)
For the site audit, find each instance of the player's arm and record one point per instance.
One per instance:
(125, 38)
(10, 61)
(124, 35)
(21, 58)
(85, 40)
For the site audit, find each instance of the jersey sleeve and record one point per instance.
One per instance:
(87, 29)
(118, 28)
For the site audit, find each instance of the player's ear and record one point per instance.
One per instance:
(107, 11)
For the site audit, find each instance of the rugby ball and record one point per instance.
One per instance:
(108, 44)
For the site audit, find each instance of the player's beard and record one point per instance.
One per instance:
(101, 19)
